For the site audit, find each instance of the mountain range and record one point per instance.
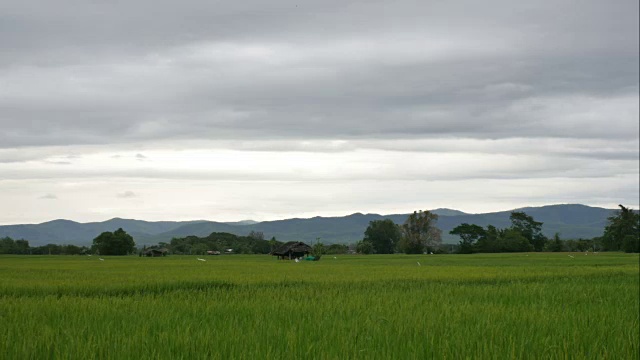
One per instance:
(572, 221)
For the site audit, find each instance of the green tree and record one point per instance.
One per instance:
(622, 231)
(419, 233)
(114, 243)
(469, 234)
(489, 242)
(364, 247)
(318, 249)
(529, 228)
(555, 245)
(512, 240)
(383, 235)
(22, 247)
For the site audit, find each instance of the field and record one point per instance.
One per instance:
(520, 306)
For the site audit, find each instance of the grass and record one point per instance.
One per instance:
(520, 306)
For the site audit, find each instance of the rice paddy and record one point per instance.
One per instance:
(519, 306)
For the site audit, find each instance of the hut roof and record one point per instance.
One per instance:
(293, 247)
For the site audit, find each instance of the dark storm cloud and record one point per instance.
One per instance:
(131, 72)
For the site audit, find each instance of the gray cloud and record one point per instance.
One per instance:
(354, 70)
(403, 92)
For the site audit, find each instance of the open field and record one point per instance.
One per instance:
(531, 306)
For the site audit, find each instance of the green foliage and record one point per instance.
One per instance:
(252, 244)
(318, 249)
(419, 233)
(581, 245)
(631, 244)
(622, 231)
(384, 235)
(114, 243)
(512, 240)
(502, 240)
(529, 228)
(469, 234)
(334, 249)
(556, 245)
(364, 247)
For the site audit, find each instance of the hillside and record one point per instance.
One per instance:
(571, 221)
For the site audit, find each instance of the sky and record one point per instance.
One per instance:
(264, 110)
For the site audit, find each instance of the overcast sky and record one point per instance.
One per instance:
(231, 110)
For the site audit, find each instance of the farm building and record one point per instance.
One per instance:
(155, 252)
(292, 250)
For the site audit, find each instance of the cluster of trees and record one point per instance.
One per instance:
(525, 234)
(417, 235)
(254, 243)
(10, 246)
(114, 243)
(107, 243)
(22, 247)
(333, 249)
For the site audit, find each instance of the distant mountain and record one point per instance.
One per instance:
(243, 222)
(571, 221)
(447, 212)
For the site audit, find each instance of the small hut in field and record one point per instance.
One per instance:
(156, 252)
(292, 250)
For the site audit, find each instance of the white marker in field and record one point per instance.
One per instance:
(571, 256)
(201, 259)
(419, 263)
(101, 259)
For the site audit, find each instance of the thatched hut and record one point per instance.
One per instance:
(292, 250)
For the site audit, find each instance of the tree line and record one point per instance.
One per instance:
(419, 234)
(22, 247)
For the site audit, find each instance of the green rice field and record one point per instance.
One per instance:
(496, 306)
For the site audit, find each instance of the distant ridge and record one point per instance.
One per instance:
(570, 220)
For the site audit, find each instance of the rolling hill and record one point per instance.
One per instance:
(571, 221)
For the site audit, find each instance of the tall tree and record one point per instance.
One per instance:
(622, 231)
(469, 234)
(529, 228)
(114, 243)
(383, 235)
(489, 243)
(420, 233)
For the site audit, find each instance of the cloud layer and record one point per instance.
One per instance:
(334, 91)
